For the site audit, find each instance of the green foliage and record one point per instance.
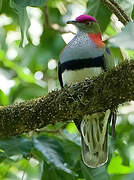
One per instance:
(25, 91)
(14, 146)
(127, 36)
(20, 7)
(3, 98)
(99, 11)
(55, 151)
(26, 3)
(1, 1)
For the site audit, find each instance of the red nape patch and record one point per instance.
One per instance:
(96, 38)
(84, 18)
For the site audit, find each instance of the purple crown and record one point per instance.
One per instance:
(85, 17)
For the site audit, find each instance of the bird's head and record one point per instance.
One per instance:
(86, 23)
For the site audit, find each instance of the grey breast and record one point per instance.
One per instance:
(80, 47)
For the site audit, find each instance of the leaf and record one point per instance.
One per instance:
(75, 138)
(50, 173)
(52, 151)
(124, 39)
(117, 54)
(26, 91)
(15, 146)
(132, 14)
(1, 1)
(94, 174)
(130, 54)
(72, 152)
(116, 166)
(3, 45)
(99, 11)
(30, 166)
(129, 176)
(25, 3)
(117, 177)
(72, 128)
(28, 77)
(24, 22)
(3, 98)
(6, 171)
(110, 31)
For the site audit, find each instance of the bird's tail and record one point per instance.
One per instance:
(94, 132)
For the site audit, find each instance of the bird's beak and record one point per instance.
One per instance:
(71, 22)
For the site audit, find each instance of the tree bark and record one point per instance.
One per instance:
(107, 91)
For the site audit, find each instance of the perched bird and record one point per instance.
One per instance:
(87, 56)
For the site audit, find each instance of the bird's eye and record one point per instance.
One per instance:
(89, 23)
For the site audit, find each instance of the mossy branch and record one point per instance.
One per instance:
(106, 91)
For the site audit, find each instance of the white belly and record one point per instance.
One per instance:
(71, 77)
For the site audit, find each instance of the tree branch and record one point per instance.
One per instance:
(121, 10)
(106, 91)
(117, 10)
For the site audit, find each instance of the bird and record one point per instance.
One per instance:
(86, 56)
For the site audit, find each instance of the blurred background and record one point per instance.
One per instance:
(32, 35)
